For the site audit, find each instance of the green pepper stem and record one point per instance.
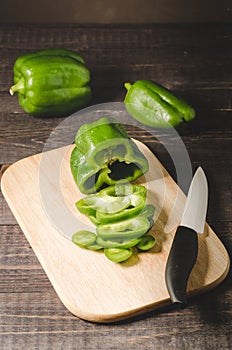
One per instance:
(18, 87)
(127, 86)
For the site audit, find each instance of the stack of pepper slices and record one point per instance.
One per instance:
(104, 162)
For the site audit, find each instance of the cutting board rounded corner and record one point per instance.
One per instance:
(102, 317)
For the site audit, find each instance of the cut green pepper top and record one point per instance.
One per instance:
(51, 82)
(155, 106)
(105, 154)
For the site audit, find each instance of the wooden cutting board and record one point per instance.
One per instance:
(41, 194)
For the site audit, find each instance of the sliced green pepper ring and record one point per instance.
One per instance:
(123, 189)
(127, 229)
(132, 211)
(128, 243)
(94, 247)
(114, 203)
(117, 254)
(148, 212)
(104, 203)
(84, 238)
(83, 208)
(146, 242)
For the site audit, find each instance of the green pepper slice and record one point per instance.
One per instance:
(146, 243)
(149, 211)
(125, 244)
(127, 229)
(84, 238)
(51, 82)
(94, 246)
(104, 203)
(117, 254)
(155, 106)
(136, 207)
(104, 154)
(110, 205)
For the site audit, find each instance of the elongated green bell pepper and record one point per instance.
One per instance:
(51, 82)
(103, 155)
(155, 106)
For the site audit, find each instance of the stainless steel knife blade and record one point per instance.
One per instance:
(184, 249)
(196, 203)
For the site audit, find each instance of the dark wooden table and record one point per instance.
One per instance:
(195, 62)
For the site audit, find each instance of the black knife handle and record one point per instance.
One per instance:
(181, 259)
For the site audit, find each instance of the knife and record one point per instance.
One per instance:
(184, 249)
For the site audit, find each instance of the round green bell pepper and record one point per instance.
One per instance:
(51, 83)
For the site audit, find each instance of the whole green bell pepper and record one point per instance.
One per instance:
(51, 82)
(103, 155)
(155, 106)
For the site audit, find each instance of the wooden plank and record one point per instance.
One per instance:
(49, 324)
(28, 136)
